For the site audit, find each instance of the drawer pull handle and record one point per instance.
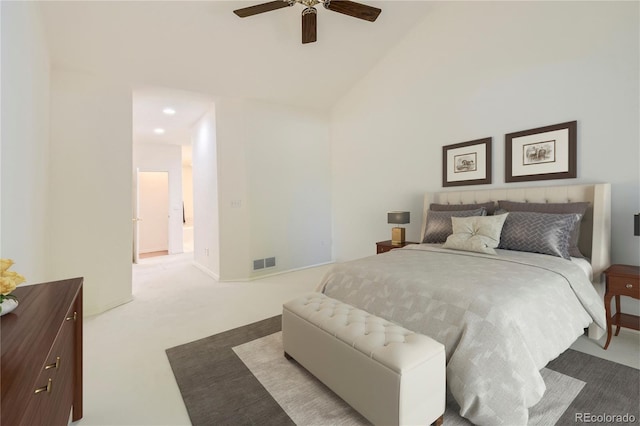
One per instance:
(629, 286)
(54, 365)
(46, 389)
(75, 315)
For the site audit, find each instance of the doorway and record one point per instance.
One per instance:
(153, 214)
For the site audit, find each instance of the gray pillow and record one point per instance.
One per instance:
(555, 208)
(545, 233)
(489, 206)
(439, 223)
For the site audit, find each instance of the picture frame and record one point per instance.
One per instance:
(467, 163)
(542, 153)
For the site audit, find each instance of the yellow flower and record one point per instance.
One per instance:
(7, 285)
(9, 280)
(5, 264)
(16, 277)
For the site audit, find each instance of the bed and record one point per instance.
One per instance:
(502, 315)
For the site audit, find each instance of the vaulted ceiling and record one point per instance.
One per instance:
(202, 46)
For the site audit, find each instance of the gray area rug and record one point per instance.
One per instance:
(308, 402)
(241, 377)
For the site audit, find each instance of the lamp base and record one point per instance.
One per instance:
(397, 235)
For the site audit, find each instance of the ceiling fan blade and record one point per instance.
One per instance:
(309, 25)
(261, 8)
(351, 8)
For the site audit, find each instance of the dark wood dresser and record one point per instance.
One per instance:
(42, 355)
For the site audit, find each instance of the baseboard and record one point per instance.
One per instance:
(259, 277)
(147, 250)
(206, 270)
(87, 312)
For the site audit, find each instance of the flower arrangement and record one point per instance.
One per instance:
(8, 281)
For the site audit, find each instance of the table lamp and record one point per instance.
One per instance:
(397, 233)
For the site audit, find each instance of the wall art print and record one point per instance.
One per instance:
(541, 154)
(467, 163)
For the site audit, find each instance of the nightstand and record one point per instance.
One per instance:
(385, 246)
(622, 280)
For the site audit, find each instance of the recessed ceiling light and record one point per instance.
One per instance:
(158, 131)
(169, 111)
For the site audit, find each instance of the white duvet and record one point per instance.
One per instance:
(501, 318)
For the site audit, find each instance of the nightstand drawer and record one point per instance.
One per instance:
(624, 286)
(385, 246)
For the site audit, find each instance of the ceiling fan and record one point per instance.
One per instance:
(309, 26)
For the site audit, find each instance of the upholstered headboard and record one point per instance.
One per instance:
(595, 229)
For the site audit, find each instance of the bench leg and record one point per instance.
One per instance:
(439, 421)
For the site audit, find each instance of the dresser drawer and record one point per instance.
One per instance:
(624, 286)
(52, 395)
(383, 249)
(33, 337)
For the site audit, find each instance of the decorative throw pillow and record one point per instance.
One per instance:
(545, 233)
(478, 233)
(489, 206)
(555, 208)
(439, 223)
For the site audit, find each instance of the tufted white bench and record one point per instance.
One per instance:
(387, 373)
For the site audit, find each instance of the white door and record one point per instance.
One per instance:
(153, 212)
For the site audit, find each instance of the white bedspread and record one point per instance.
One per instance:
(501, 318)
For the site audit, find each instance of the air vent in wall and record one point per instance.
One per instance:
(269, 262)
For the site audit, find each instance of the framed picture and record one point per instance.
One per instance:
(541, 154)
(467, 163)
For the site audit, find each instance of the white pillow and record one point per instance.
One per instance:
(476, 233)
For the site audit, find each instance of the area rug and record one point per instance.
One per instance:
(241, 377)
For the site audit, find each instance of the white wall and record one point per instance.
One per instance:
(477, 69)
(25, 140)
(206, 236)
(289, 186)
(156, 157)
(187, 184)
(66, 149)
(274, 187)
(90, 184)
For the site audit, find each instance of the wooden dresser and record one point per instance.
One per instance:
(41, 344)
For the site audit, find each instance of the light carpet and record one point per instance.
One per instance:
(241, 377)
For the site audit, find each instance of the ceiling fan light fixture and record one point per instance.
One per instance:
(309, 14)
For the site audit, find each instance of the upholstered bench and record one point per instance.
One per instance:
(387, 373)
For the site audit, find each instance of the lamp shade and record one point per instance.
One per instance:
(636, 225)
(398, 217)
